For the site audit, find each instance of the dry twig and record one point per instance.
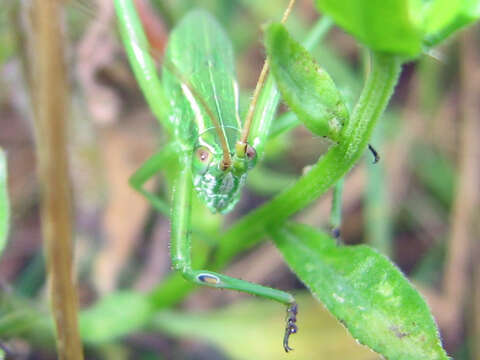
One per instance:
(50, 97)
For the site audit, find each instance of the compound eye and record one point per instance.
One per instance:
(203, 154)
(202, 159)
(250, 152)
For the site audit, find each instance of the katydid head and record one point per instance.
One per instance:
(219, 186)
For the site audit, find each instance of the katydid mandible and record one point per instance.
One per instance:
(197, 103)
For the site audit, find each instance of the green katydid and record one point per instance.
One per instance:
(197, 103)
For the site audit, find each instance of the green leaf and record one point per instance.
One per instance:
(365, 291)
(253, 329)
(305, 87)
(444, 17)
(4, 203)
(392, 26)
(114, 316)
(439, 13)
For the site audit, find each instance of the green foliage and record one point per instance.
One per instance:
(114, 316)
(4, 203)
(244, 321)
(359, 286)
(401, 26)
(305, 87)
(434, 171)
(365, 291)
(383, 25)
(447, 16)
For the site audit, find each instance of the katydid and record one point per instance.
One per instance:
(197, 103)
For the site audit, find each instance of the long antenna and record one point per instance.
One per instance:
(227, 161)
(261, 80)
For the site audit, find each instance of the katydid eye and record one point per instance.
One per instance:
(250, 152)
(203, 154)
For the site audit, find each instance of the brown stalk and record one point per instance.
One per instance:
(258, 89)
(466, 200)
(50, 96)
(476, 295)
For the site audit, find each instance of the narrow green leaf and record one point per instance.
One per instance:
(444, 17)
(365, 291)
(305, 87)
(439, 13)
(253, 329)
(114, 316)
(392, 26)
(4, 203)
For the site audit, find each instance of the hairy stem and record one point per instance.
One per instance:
(336, 211)
(374, 98)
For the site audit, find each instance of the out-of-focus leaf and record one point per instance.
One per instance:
(305, 87)
(435, 171)
(254, 329)
(401, 26)
(444, 17)
(440, 12)
(114, 316)
(4, 203)
(22, 318)
(365, 291)
(383, 25)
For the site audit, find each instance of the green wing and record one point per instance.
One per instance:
(200, 56)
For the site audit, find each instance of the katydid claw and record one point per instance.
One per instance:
(291, 327)
(376, 157)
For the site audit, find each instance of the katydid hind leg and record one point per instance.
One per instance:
(180, 248)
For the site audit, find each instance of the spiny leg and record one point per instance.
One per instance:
(291, 327)
(180, 249)
(149, 169)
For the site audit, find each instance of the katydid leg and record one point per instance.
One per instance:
(376, 157)
(150, 168)
(180, 248)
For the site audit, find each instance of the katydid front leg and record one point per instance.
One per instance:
(180, 248)
(180, 242)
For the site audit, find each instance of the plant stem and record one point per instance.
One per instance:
(248, 231)
(463, 215)
(336, 212)
(50, 104)
(374, 98)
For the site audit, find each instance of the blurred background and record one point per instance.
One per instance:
(418, 205)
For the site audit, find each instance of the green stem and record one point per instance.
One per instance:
(377, 91)
(249, 230)
(277, 181)
(336, 212)
(137, 47)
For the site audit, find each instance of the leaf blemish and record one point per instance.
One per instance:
(399, 334)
